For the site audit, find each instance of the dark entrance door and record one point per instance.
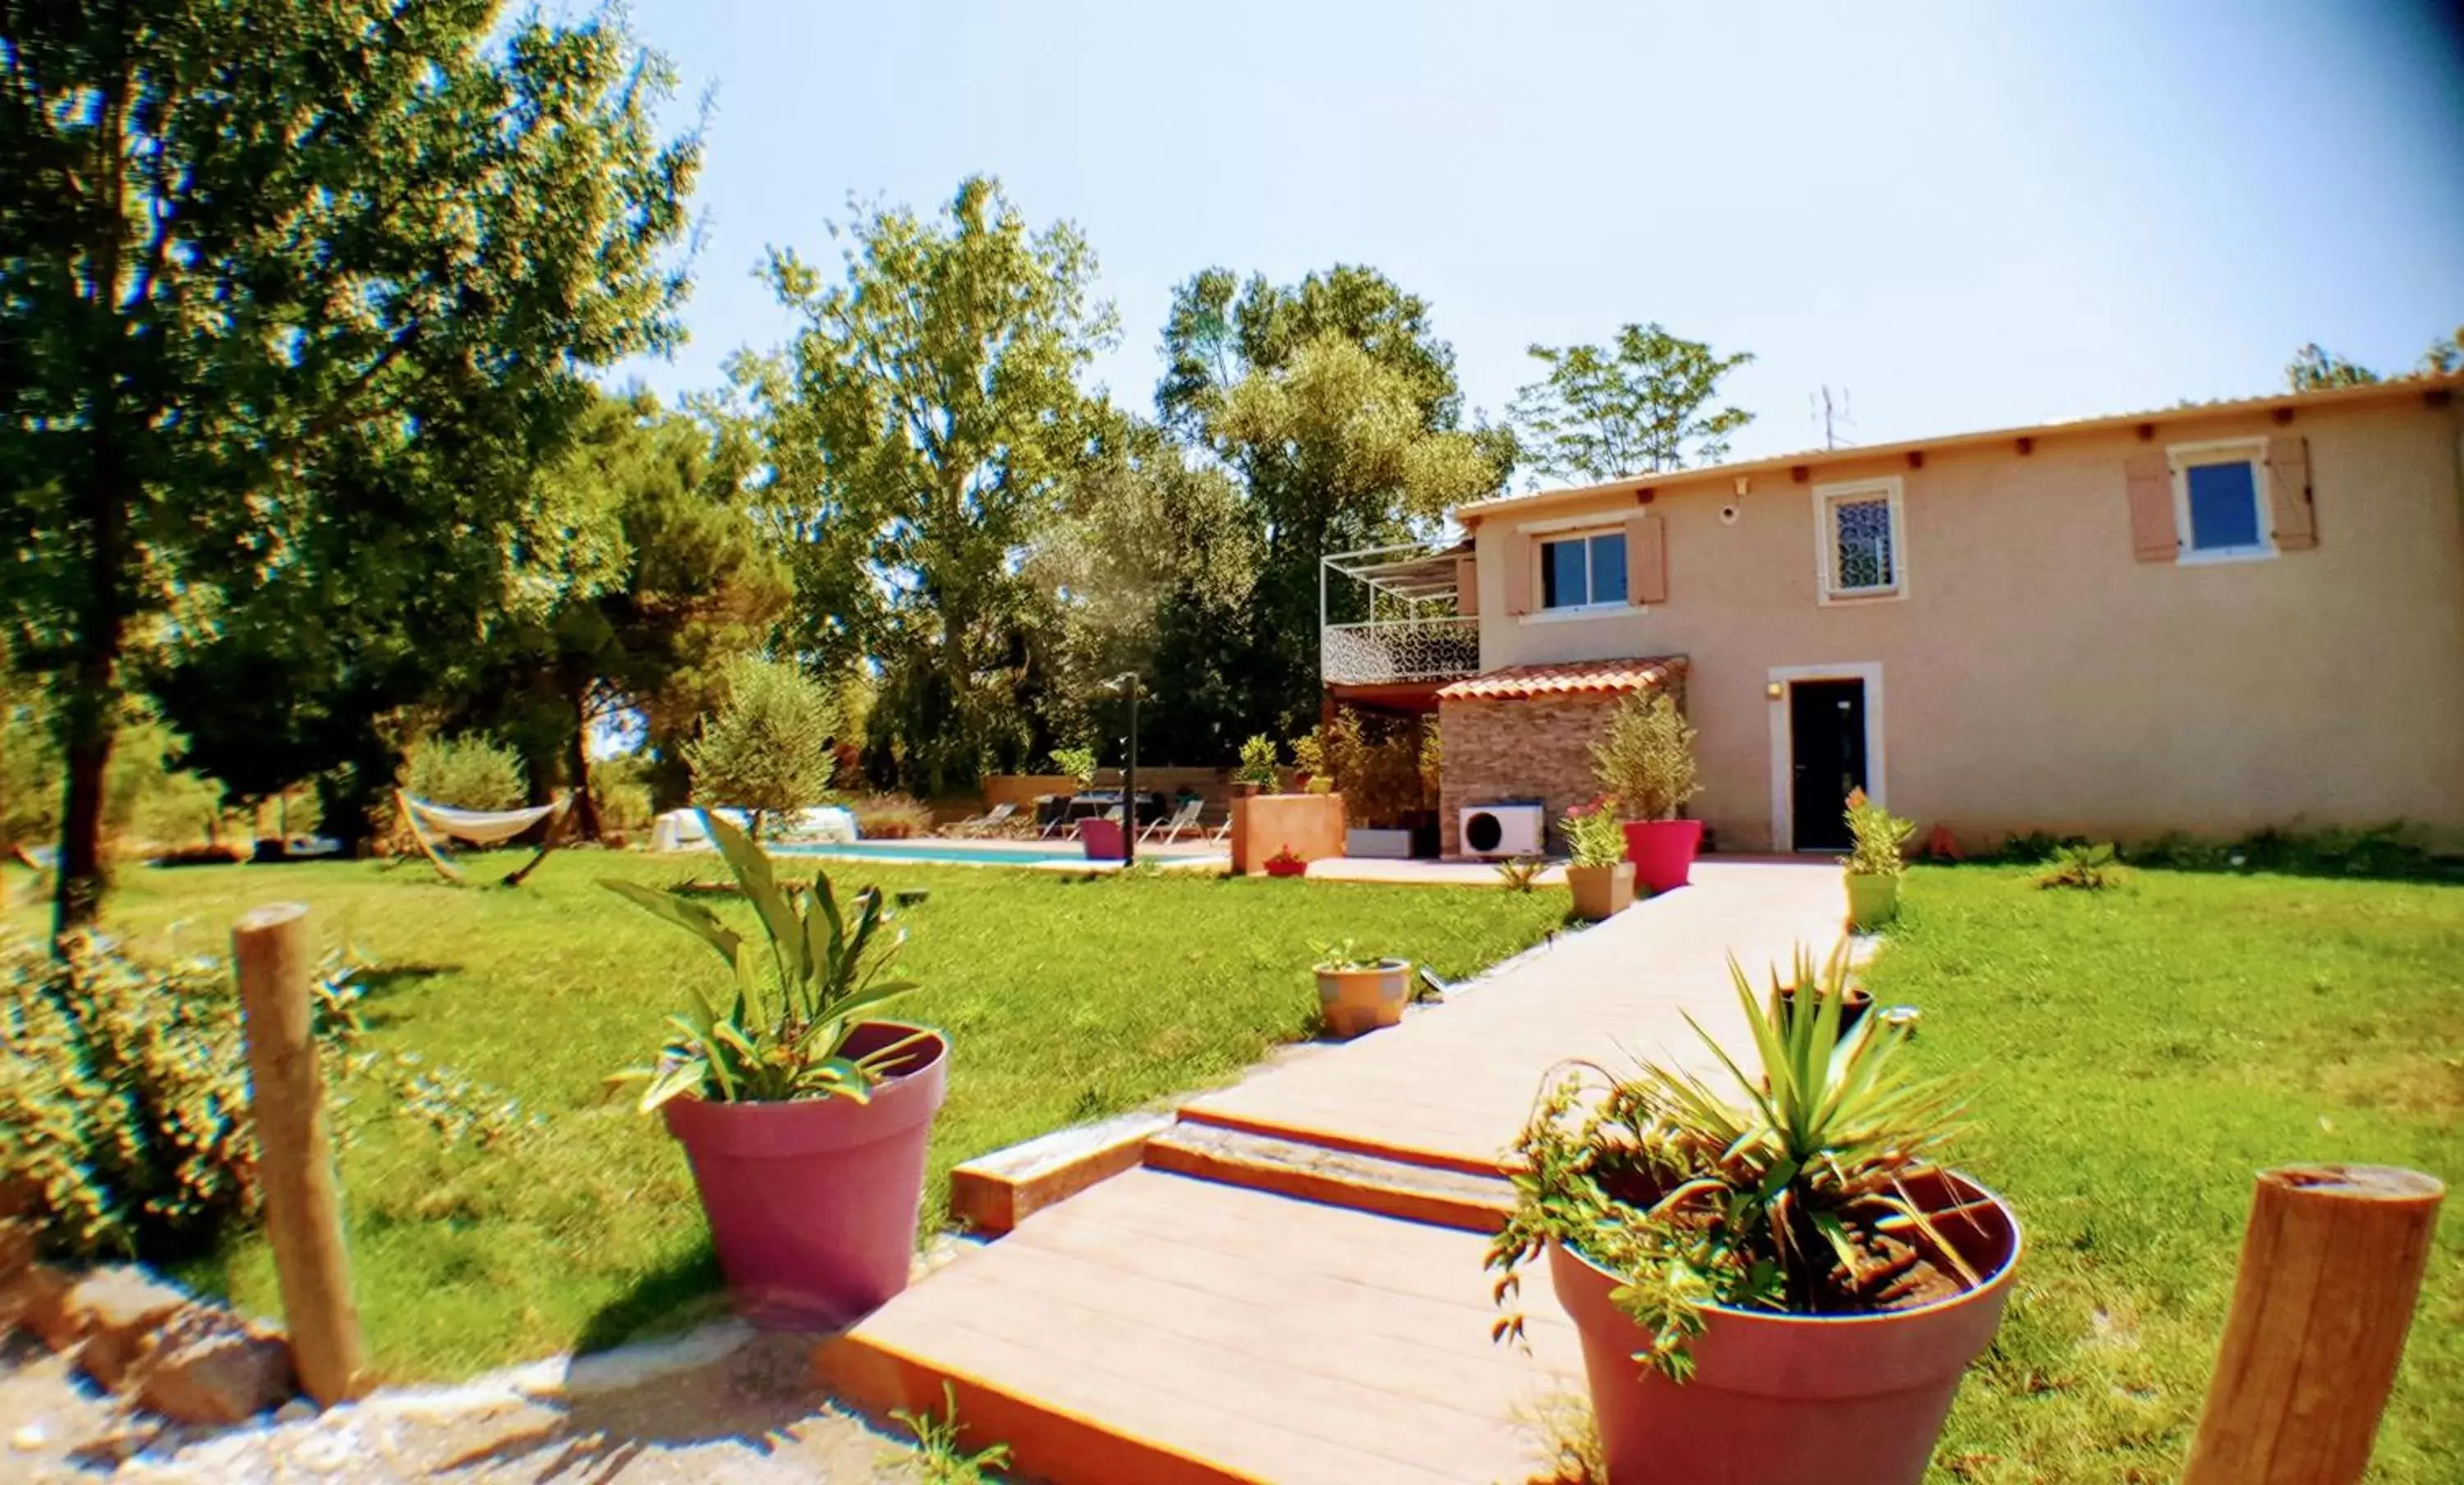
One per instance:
(1826, 746)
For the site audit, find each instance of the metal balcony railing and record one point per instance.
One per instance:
(1396, 650)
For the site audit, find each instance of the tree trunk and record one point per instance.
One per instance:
(585, 810)
(77, 896)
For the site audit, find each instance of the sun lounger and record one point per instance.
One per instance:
(1184, 818)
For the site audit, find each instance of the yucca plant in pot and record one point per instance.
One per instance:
(1777, 1282)
(1874, 861)
(1644, 756)
(1598, 873)
(805, 1121)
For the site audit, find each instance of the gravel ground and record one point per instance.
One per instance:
(721, 1404)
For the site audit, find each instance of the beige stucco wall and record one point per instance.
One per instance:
(2035, 676)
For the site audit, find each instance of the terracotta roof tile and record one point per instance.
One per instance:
(1530, 680)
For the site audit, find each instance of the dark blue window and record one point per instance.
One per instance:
(1563, 581)
(2224, 506)
(1608, 568)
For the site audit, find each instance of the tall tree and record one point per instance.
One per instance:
(1640, 404)
(919, 432)
(1154, 566)
(1335, 404)
(255, 255)
(690, 585)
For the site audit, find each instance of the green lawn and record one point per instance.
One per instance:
(2140, 1052)
(1066, 1000)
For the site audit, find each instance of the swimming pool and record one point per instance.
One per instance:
(933, 852)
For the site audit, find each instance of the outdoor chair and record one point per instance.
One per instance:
(1184, 818)
(989, 821)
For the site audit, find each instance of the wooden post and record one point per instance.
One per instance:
(304, 1212)
(2330, 1270)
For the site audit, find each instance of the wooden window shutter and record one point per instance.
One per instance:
(1646, 559)
(1466, 586)
(2288, 492)
(1518, 574)
(2152, 537)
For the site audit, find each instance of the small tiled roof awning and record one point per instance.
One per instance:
(1607, 677)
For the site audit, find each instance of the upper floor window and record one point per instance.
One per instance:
(1858, 549)
(1579, 571)
(2220, 499)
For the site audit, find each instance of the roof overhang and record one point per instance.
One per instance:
(2434, 389)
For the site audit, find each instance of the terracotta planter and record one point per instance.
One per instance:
(1873, 898)
(1353, 1001)
(1860, 1000)
(1601, 891)
(1795, 1400)
(1662, 852)
(812, 1205)
(1245, 789)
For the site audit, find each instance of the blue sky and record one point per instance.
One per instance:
(1966, 219)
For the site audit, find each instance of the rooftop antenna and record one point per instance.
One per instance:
(1831, 411)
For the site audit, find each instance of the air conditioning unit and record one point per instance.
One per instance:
(1501, 830)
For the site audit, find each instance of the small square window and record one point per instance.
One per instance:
(1582, 572)
(1857, 529)
(2217, 494)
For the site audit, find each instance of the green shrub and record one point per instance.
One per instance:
(767, 749)
(123, 1100)
(1645, 756)
(469, 772)
(2086, 867)
(1078, 763)
(124, 1095)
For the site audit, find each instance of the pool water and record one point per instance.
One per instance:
(933, 852)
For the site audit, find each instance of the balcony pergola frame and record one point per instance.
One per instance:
(1416, 574)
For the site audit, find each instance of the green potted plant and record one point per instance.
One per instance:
(805, 1121)
(1357, 994)
(1644, 756)
(1779, 1283)
(1258, 770)
(1874, 861)
(1856, 1001)
(1599, 874)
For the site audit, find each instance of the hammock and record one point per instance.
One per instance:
(432, 823)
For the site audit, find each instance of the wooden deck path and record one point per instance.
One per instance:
(1164, 1329)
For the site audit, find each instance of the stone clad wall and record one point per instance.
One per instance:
(1539, 747)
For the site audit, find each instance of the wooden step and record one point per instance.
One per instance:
(1168, 1331)
(1332, 1176)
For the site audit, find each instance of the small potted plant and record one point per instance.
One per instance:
(805, 1121)
(1257, 771)
(1076, 764)
(1874, 862)
(1644, 756)
(1283, 863)
(1357, 994)
(1599, 874)
(1855, 1000)
(1779, 1284)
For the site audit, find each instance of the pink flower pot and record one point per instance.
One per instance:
(1103, 840)
(1662, 852)
(812, 1205)
(1793, 1398)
